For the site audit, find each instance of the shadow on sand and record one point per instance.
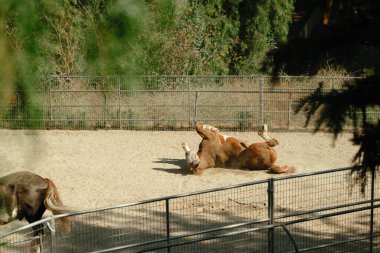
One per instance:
(181, 166)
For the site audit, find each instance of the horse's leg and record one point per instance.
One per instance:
(271, 142)
(38, 230)
(35, 246)
(260, 156)
(206, 131)
(36, 243)
(281, 169)
(263, 133)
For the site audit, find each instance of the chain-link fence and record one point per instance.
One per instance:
(168, 102)
(316, 212)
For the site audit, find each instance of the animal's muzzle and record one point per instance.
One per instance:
(192, 159)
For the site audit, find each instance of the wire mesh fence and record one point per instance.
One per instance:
(310, 198)
(317, 212)
(168, 102)
(28, 239)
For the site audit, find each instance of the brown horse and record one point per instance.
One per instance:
(27, 195)
(218, 150)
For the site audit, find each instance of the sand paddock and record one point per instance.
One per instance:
(102, 168)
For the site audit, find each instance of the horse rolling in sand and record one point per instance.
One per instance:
(27, 195)
(218, 150)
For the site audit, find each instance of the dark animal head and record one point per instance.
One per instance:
(8, 203)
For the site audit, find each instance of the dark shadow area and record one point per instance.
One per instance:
(243, 169)
(175, 171)
(178, 162)
(340, 34)
(181, 163)
(337, 38)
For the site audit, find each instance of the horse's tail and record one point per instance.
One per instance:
(53, 202)
(282, 169)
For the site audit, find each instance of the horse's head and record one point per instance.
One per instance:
(205, 157)
(192, 158)
(8, 203)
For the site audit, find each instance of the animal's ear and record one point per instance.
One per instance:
(11, 188)
(243, 144)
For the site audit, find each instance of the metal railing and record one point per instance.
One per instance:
(168, 102)
(319, 212)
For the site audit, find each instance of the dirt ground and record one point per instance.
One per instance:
(103, 168)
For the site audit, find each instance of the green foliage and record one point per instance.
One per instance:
(158, 49)
(67, 37)
(63, 37)
(218, 31)
(74, 37)
(7, 56)
(245, 120)
(111, 36)
(212, 37)
(131, 119)
(265, 25)
(234, 36)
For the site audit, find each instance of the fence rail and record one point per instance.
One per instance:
(317, 212)
(168, 102)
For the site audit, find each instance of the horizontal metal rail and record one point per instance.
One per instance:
(205, 191)
(248, 230)
(194, 76)
(29, 226)
(356, 239)
(201, 192)
(238, 232)
(326, 209)
(311, 173)
(295, 90)
(166, 198)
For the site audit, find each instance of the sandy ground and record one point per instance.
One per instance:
(103, 168)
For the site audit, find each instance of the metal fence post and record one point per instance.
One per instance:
(167, 223)
(196, 108)
(105, 109)
(119, 98)
(51, 226)
(261, 92)
(289, 109)
(50, 104)
(271, 215)
(372, 211)
(189, 98)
